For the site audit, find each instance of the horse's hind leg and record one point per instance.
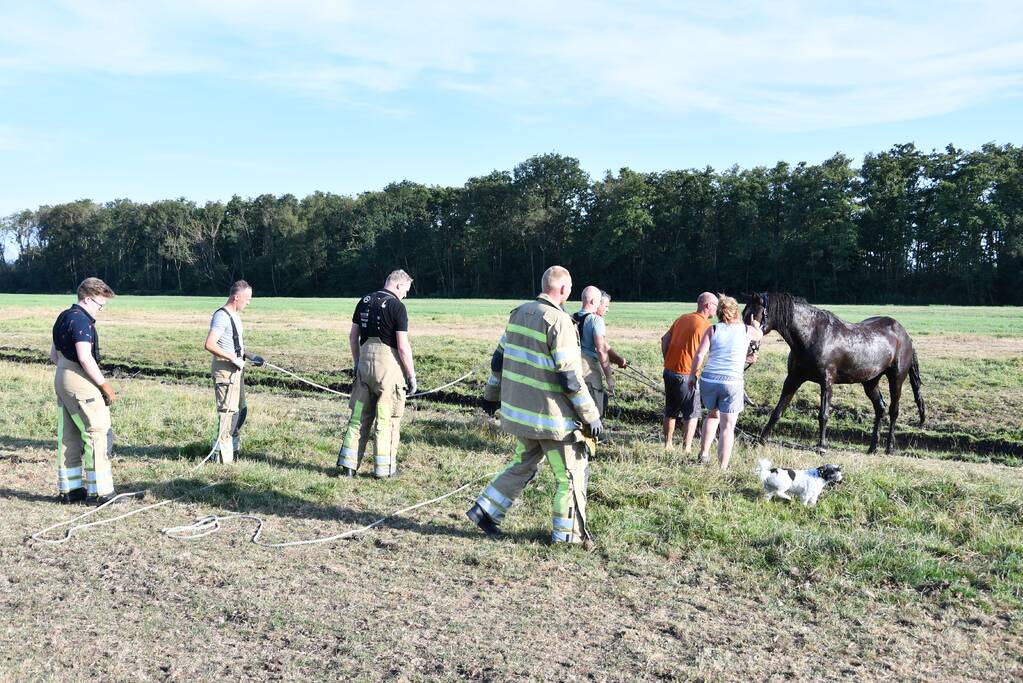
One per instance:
(874, 394)
(822, 416)
(895, 380)
(788, 390)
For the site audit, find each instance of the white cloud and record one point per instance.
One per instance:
(791, 65)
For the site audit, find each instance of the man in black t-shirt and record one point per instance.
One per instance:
(384, 376)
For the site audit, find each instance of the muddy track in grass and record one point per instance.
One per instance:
(995, 450)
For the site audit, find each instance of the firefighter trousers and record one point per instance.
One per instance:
(571, 466)
(229, 392)
(377, 403)
(84, 435)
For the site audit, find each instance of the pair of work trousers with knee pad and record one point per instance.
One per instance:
(229, 390)
(84, 436)
(594, 378)
(378, 395)
(570, 463)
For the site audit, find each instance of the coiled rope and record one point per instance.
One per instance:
(213, 521)
(73, 528)
(211, 524)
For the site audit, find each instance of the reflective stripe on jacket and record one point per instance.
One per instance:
(539, 343)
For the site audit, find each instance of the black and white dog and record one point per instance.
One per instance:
(807, 484)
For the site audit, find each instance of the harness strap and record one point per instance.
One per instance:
(234, 332)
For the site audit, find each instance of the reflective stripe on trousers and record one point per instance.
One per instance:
(569, 463)
(84, 435)
(378, 403)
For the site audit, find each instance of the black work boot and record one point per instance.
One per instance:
(345, 471)
(73, 496)
(483, 520)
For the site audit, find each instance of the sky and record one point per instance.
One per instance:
(205, 99)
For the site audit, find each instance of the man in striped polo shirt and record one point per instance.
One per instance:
(537, 381)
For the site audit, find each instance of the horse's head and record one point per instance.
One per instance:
(756, 312)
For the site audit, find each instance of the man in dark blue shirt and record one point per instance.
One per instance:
(84, 435)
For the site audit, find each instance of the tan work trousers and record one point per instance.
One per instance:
(593, 376)
(229, 391)
(378, 395)
(571, 465)
(84, 435)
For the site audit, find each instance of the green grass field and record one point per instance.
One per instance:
(911, 570)
(971, 359)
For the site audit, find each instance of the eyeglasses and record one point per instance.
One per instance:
(98, 304)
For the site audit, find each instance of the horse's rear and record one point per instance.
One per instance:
(904, 359)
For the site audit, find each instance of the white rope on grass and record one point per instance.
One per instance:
(71, 530)
(418, 394)
(636, 376)
(307, 381)
(211, 524)
(452, 383)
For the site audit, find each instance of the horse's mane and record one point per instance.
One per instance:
(780, 306)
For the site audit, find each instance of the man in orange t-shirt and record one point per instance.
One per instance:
(678, 347)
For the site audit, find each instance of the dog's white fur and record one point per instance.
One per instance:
(807, 484)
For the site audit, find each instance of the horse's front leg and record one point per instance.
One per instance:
(822, 416)
(788, 390)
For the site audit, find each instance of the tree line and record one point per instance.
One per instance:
(906, 226)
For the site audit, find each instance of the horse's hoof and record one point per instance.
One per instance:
(872, 450)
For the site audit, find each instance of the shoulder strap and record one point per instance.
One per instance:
(234, 332)
(580, 317)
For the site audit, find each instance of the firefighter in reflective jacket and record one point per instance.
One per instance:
(384, 376)
(537, 382)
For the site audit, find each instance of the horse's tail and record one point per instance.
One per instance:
(914, 381)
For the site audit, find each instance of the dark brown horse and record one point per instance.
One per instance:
(827, 350)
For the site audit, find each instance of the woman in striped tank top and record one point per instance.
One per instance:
(724, 346)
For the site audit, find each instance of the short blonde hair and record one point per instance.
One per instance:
(93, 286)
(553, 278)
(728, 309)
(397, 277)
